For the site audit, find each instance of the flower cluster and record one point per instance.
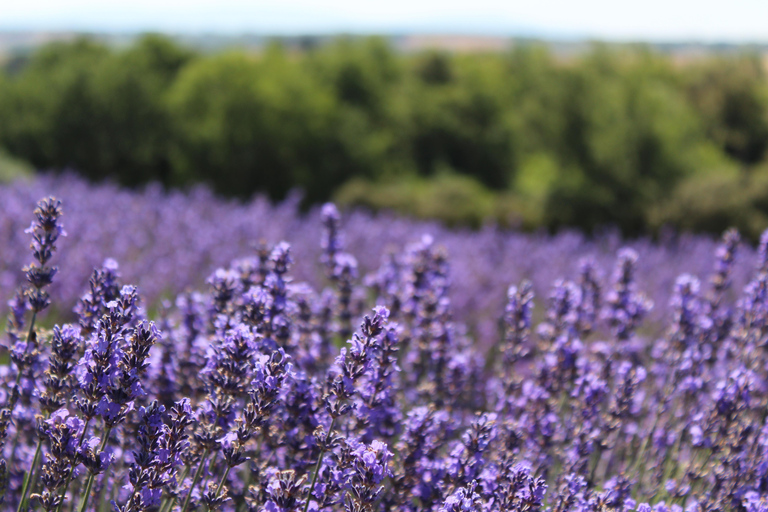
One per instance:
(266, 392)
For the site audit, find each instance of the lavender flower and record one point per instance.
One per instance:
(146, 474)
(45, 231)
(464, 499)
(332, 241)
(59, 377)
(624, 306)
(589, 306)
(62, 432)
(371, 466)
(104, 288)
(518, 324)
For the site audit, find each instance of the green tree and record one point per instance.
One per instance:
(80, 106)
(731, 95)
(248, 124)
(630, 137)
(462, 124)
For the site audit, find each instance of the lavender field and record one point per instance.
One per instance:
(168, 243)
(178, 352)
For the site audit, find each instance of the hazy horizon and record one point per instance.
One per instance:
(653, 21)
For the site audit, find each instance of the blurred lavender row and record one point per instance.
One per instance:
(263, 393)
(168, 242)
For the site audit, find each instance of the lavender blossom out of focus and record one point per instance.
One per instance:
(167, 243)
(195, 354)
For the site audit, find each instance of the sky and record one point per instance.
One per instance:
(646, 20)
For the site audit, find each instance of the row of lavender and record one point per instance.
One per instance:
(238, 397)
(167, 243)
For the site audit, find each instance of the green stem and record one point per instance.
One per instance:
(92, 476)
(248, 475)
(318, 466)
(15, 444)
(29, 335)
(211, 467)
(31, 325)
(28, 479)
(88, 486)
(130, 501)
(85, 431)
(166, 506)
(195, 479)
(223, 481)
(639, 462)
(668, 463)
(99, 505)
(695, 485)
(72, 472)
(246, 486)
(16, 392)
(598, 455)
(169, 501)
(77, 489)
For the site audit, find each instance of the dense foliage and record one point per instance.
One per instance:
(617, 135)
(261, 392)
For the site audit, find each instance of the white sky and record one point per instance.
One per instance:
(669, 20)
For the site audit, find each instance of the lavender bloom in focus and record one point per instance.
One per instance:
(465, 499)
(371, 466)
(146, 475)
(59, 377)
(45, 231)
(62, 433)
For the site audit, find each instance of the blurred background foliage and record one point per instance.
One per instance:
(620, 135)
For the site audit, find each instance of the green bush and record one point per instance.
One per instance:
(713, 202)
(732, 100)
(246, 124)
(79, 106)
(12, 168)
(454, 199)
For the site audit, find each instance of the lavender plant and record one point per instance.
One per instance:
(373, 391)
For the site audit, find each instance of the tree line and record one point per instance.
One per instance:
(620, 135)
